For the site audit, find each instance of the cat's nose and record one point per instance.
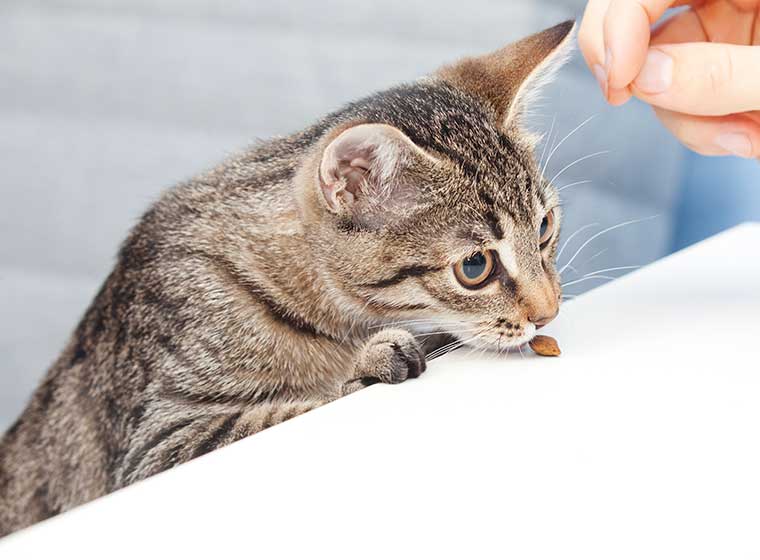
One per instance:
(543, 320)
(542, 311)
(540, 304)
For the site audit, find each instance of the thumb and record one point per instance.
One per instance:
(708, 79)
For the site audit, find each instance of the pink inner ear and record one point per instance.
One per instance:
(355, 174)
(345, 167)
(360, 162)
(359, 167)
(354, 177)
(342, 179)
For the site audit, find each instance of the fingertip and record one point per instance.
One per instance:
(591, 40)
(617, 97)
(601, 77)
(626, 38)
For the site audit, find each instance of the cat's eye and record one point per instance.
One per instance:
(475, 270)
(546, 230)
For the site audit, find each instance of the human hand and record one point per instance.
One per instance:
(700, 69)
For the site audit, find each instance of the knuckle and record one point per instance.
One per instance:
(754, 148)
(720, 72)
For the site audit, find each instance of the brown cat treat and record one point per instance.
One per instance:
(277, 281)
(544, 345)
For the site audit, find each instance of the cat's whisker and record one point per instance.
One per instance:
(596, 235)
(393, 324)
(442, 350)
(595, 255)
(449, 331)
(577, 161)
(415, 320)
(613, 269)
(563, 187)
(569, 239)
(433, 321)
(596, 273)
(445, 349)
(450, 327)
(569, 134)
(424, 320)
(585, 278)
(548, 140)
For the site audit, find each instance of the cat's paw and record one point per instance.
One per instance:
(391, 356)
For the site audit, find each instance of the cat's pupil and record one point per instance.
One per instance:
(474, 266)
(544, 227)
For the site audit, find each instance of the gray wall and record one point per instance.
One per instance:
(103, 103)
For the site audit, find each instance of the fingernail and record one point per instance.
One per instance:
(735, 143)
(657, 73)
(601, 77)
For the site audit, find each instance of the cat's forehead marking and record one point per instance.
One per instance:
(491, 215)
(508, 258)
(506, 198)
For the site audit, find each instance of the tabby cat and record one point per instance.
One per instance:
(279, 281)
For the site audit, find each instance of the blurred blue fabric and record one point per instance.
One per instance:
(716, 194)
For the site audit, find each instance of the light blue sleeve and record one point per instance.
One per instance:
(715, 194)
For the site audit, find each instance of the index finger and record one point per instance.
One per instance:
(627, 31)
(591, 43)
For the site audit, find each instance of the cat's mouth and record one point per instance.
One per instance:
(501, 339)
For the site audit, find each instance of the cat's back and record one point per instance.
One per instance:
(67, 444)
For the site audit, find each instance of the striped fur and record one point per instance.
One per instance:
(243, 298)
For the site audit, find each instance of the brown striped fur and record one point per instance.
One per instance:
(262, 288)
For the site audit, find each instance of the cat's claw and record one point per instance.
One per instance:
(390, 356)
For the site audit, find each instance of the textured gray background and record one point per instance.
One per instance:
(103, 103)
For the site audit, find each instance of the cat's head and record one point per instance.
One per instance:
(425, 201)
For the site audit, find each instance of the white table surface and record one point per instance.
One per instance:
(641, 441)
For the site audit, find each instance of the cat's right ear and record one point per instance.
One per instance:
(508, 79)
(367, 173)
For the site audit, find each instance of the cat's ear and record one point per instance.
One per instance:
(508, 78)
(368, 173)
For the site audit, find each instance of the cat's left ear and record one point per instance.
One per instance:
(507, 79)
(369, 173)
